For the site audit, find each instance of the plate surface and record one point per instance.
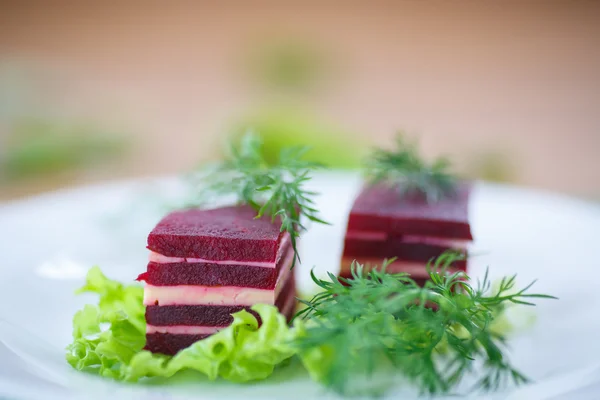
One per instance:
(48, 243)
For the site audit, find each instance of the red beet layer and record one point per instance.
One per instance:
(191, 315)
(419, 270)
(213, 274)
(394, 247)
(201, 315)
(383, 209)
(170, 344)
(229, 233)
(348, 275)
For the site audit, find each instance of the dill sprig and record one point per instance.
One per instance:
(404, 169)
(433, 335)
(274, 189)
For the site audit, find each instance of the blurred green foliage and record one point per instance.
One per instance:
(287, 64)
(329, 144)
(39, 146)
(494, 166)
(290, 68)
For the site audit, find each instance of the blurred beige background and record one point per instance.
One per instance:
(509, 90)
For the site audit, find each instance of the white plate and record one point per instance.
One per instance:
(48, 242)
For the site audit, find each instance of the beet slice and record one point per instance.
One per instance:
(417, 271)
(384, 209)
(347, 275)
(209, 275)
(394, 247)
(170, 344)
(228, 233)
(191, 315)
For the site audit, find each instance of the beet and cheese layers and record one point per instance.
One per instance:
(386, 223)
(205, 265)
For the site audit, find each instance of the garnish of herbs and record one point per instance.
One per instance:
(276, 190)
(432, 335)
(404, 168)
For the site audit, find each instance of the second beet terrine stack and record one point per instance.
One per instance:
(385, 222)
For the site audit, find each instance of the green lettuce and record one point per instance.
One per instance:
(239, 353)
(107, 351)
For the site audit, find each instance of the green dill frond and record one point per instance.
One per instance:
(276, 190)
(433, 335)
(404, 169)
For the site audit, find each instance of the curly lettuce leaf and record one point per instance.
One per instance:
(107, 351)
(239, 353)
(116, 297)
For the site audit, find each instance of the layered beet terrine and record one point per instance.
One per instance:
(207, 264)
(386, 222)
